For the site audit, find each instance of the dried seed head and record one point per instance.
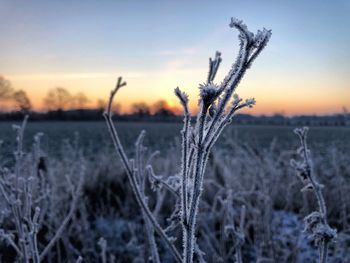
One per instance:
(243, 29)
(307, 187)
(317, 229)
(183, 97)
(208, 93)
(262, 37)
(250, 102)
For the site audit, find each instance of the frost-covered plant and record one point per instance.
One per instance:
(316, 223)
(222, 229)
(237, 233)
(136, 176)
(217, 106)
(26, 192)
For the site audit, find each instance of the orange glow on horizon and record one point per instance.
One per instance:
(150, 89)
(262, 107)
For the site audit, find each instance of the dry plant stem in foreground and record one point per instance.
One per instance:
(24, 192)
(217, 106)
(316, 224)
(132, 176)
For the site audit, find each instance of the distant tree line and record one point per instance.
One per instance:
(60, 99)
(60, 104)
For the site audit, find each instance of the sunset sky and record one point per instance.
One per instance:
(158, 45)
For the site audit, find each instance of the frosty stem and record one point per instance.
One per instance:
(305, 167)
(131, 176)
(208, 129)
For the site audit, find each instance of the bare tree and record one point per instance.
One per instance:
(161, 108)
(116, 108)
(57, 99)
(101, 104)
(80, 100)
(6, 88)
(22, 101)
(140, 108)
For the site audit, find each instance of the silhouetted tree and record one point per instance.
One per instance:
(116, 108)
(140, 108)
(101, 105)
(161, 108)
(57, 99)
(80, 100)
(22, 101)
(6, 88)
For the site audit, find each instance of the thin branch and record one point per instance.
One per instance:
(119, 85)
(214, 66)
(120, 150)
(159, 180)
(65, 222)
(185, 147)
(11, 242)
(316, 224)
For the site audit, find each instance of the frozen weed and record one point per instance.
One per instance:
(217, 106)
(316, 223)
(26, 193)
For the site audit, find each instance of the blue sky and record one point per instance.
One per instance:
(158, 45)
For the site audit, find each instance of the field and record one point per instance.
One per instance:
(249, 166)
(161, 135)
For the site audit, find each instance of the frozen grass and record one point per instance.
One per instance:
(239, 172)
